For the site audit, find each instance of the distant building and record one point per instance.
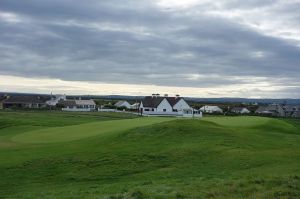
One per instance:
(297, 115)
(2, 98)
(25, 101)
(135, 106)
(125, 104)
(55, 100)
(78, 105)
(291, 110)
(211, 109)
(174, 106)
(272, 110)
(240, 110)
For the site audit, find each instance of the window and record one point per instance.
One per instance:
(164, 110)
(153, 109)
(175, 110)
(146, 109)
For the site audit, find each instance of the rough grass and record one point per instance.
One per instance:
(183, 158)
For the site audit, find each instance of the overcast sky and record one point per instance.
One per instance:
(204, 48)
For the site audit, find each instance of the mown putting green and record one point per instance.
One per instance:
(75, 132)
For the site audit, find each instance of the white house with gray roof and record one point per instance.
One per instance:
(240, 110)
(272, 110)
(167, 106)
(211, 109)
(291, 110)
(125, 104)
(78, 105)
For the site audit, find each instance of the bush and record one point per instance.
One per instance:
(109, 106)
(122, 108)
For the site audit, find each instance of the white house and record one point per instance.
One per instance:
(211, 109)
(78, 105)
(55, 100)
(135, 106)
(123, 104)
(271, 109)
(240, 110)
(166, 106)
(291, 110)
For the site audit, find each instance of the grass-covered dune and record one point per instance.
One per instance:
(215, 157)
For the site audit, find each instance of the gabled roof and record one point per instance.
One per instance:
(238, 109)
(120, 103)
(210, 107)
(269, 108)
(291, 107)
(71, 103)
(2, 97)
(34, 99)
(154, 101)
(173, 100)
(66, 103)
(85, 102)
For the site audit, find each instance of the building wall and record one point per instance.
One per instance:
(281, 111)
(164, 106)
(85, 106)
(141, 105)
(245, 111)
(296, 114)
(211, 109)
(165, 109)
(75, 109)
(181, 104)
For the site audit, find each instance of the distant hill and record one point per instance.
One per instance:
(192, 99)
(245, 100)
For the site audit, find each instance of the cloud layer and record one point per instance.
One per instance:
(191, 44)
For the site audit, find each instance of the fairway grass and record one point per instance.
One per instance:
(242, 121)
(155, 158)
(75, 132)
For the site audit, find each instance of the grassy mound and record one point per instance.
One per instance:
(246, 121)
(181, 158)
(76, 132)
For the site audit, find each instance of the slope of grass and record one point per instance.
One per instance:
(54, 119)
(182, 158)
(75, 132)
(245, 121)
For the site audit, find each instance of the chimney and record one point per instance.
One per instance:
(166, 95)
(153, 95)
(176, 96)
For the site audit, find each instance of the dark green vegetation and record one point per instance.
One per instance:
(217, 157)
(54, 119)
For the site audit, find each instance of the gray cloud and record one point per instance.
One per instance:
(139, 42)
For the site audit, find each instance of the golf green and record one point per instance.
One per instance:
(75, 132)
